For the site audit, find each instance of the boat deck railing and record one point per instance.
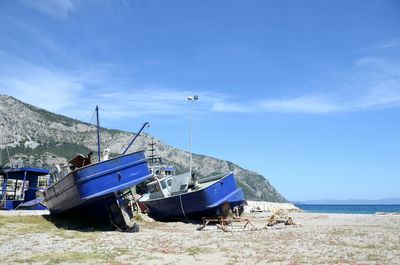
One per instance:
(207, 179)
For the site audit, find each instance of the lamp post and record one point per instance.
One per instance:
(191, 99)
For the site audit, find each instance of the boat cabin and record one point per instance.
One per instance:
(169, 185)
(19, 186)
(162, 171)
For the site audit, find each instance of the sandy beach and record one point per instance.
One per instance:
(319, 239)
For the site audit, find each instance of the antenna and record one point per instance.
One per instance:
(152, 157)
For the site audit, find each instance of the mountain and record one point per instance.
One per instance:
(36, 137)
(353, 201)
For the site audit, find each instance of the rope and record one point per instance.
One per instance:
(116, 114)
(3, 201)
(8, 152)
(183, 211)
(82, 135)
(92, 117)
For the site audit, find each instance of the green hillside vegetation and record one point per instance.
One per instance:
(67, 150)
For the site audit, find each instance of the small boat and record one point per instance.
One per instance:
(97, 191)
(19, 186)
(94, 181)
(183, 197)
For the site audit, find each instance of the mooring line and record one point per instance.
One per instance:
(183, 211)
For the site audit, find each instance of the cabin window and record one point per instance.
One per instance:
(10, 189)
(163, 185)
(153, 188)
(43, 181)
(1, 185)
(15, 189)
(53, 177)
(169, 182)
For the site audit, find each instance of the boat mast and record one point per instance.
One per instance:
(98, 132)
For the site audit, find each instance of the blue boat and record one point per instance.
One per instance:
(94, 181)
(97, 191)
(19, 187)
(183, 197)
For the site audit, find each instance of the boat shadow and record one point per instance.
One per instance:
(81, 225)
(195, 221)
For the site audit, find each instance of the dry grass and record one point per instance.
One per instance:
(196, 250)
(332, 240)
(26, 224)
(67, 257)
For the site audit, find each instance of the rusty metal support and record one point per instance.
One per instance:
(223, 222)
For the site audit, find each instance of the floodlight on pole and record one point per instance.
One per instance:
(191, 99)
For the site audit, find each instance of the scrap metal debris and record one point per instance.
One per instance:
(226, 223)
(280, 216)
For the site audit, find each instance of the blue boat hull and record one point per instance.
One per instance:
(20, 205)
(109, 210)
(85, 186)
(205, 202)
(35, 204)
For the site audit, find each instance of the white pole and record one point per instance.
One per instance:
(191, 99)
(190, 138)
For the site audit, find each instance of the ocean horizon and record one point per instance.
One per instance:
(349, 208)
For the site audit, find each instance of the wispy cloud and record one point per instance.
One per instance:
(372, 83)
(309, 103)
(76, 92)
(301, 104)
(390, 44)
(378, 82)
(382, 46)
(142, 101)
(55, 8)
(38, 85)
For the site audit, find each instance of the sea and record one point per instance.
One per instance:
(349, 208)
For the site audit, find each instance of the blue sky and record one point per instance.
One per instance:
(306, 93)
